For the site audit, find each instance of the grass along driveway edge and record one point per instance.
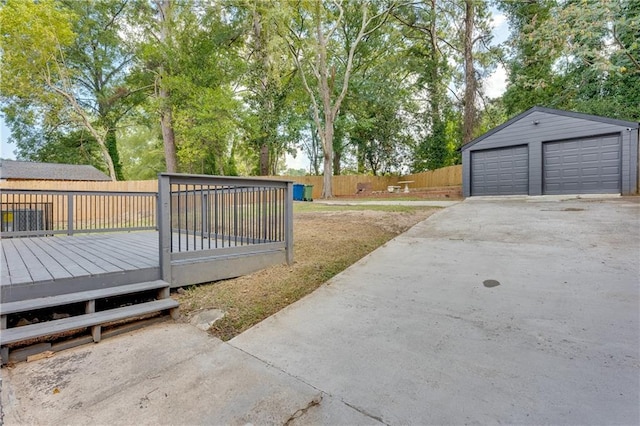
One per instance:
(327, 240)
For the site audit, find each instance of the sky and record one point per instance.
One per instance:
(7, 150)
(495, 85)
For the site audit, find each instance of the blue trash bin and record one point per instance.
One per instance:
(298, 192)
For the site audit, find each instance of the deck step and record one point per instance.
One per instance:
(82, 296)
(32, 331)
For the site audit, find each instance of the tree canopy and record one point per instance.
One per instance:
(230, 87)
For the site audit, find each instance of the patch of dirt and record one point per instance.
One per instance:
(325, 243)
(393, 222)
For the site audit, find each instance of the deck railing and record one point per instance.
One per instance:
(201, 215)
(42, 212)
(210, 227)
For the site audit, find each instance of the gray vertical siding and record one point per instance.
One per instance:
(634, 162)
(538, 126)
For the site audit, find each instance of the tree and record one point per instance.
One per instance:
(141, 150)
(270, 81)
(35, 40)
(311, 146)
(154, 32)
(449, 53)
(531, 76)
(321, 66)
(377, 113)
(101, 59)
(192, 63)
(470, 81)
(579, 55)
(432, 52)
(477, 54)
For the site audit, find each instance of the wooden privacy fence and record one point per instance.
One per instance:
(346, 185)
(57, 185)
(445, 176)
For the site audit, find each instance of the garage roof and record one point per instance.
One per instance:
(630, 124)
(27, 170)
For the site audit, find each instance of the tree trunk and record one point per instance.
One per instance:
(264, 160)
(168, 135)
(112, 149)
(337, 158)
(326, 128)
(469, 119)
(259, 49)
(327, 176)
(314, 157)
(166, 115)
(436, 80)
(327, 188)
(360, 158)
(110, 140)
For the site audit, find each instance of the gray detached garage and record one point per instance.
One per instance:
(548, 151)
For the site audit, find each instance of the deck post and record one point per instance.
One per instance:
(96, 330)
(289, 223)
(164, 225)
(70, 214)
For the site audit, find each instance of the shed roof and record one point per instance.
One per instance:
(27, 170)
(622, 123)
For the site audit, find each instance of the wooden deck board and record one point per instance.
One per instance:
(54, 267)
(37, 270)
(132, 252)
(4, 273)
(67, 263)
(142, 239)
(72, 257)
(30, 260)
(92, 251)
(103, 256)
(18, 270)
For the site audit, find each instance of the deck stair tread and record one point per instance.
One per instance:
(82, 296)
(33, 331)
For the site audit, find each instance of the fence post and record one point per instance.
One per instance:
(289, 223)
(164, 226)
(70, 213)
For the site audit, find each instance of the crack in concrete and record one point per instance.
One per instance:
(302, 411)
(267, 363)
(322, 392)
(365, 413)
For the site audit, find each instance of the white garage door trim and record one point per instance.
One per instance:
(590, 165)
(500, 171)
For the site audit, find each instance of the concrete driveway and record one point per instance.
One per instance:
(512, 311)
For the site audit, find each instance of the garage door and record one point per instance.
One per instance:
(585, 166)
(503, 171)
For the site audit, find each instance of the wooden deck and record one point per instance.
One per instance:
(31, 260)
(47, 266)
(102, 256)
